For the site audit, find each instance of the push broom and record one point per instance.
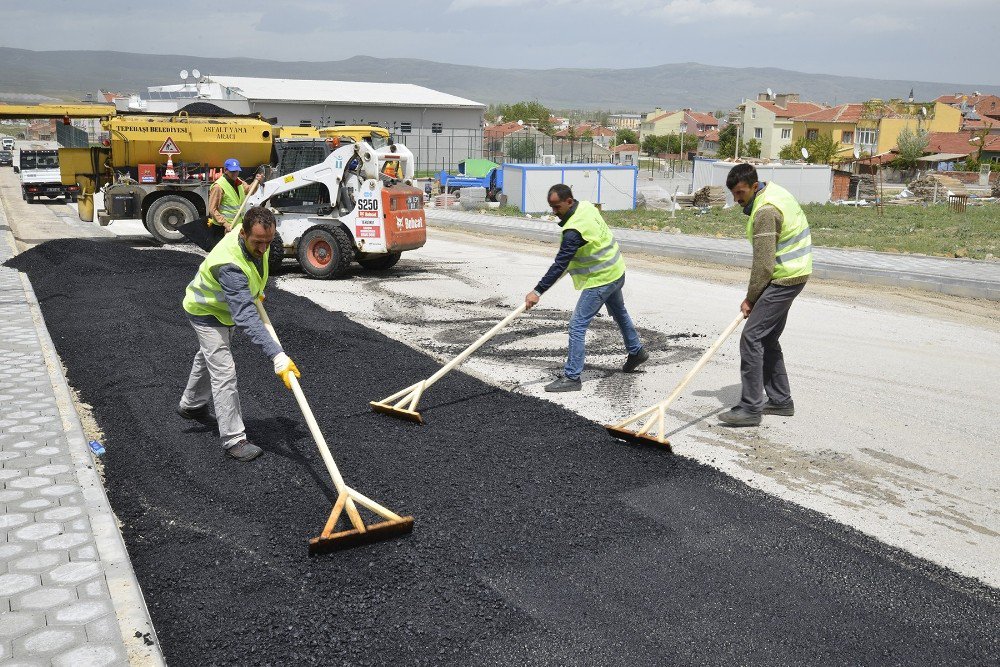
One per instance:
(654, 416)
(359, 533)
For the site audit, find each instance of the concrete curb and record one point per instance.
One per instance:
(138, 634)
(955, 286)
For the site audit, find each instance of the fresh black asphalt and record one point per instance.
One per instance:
(538, 539)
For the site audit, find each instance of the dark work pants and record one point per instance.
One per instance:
(762, 366)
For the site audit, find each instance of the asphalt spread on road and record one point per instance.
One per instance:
(538, 538)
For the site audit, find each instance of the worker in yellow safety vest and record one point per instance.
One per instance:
(222, 296)
(589, 252)
(227, 194)
(782, 262)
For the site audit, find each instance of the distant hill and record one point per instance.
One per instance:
(73, 74)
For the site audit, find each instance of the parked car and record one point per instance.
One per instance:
(6, 159)
(7, 143)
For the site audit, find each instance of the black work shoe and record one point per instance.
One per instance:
(635, 360)
(564, 384)
(200, 414)
(244, 450)
(740, 417)
(782, 409)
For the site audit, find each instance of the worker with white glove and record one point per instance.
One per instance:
(220, 297)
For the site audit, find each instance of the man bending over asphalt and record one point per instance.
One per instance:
(590, 253)
(221, 296)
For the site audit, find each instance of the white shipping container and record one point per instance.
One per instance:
(613, 186)
(808, 183)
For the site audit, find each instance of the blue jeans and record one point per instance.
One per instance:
(587, 307)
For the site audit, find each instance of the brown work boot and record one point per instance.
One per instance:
(244, 450)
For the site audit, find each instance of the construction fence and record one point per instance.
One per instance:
(433, 152)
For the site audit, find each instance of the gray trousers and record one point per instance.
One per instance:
(213, 377)
(762, 365)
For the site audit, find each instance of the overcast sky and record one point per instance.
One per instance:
(927, 40)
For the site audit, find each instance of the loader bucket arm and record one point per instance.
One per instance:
(329, 172)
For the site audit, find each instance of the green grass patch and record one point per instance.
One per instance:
(928, 230)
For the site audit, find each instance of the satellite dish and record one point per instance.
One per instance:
(184, 74)
(520, 122)
(923, 111)
(805, 153)
(196, 74)
(769, 94)
(857, 151)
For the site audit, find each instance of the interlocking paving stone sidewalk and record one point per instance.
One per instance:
(958, 277)
(67, 589)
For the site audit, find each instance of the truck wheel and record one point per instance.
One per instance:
(166, 215)
(326, 252)
(380, 262)
(29, 198)
(277, 254)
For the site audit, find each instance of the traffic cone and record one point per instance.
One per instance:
(169, 174)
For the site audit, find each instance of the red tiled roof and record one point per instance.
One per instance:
(845, 113)
(501, 130)
(712, 135)
(793, 109)
(580, 130)
(703, 118)
(958, 143)
(625, 148)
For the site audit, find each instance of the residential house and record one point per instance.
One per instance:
(683, 121)
(985, 106)
(709, 144)
(769, 121)
(625, 154)
(513, 141)
(874, 127)
(601, 136)
(963, 143)
(978, 111)
(624, 121)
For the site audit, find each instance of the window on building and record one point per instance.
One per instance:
(339, 123)
(758, 133)
(436, 128)
(812, 135)
(847, 137)
(405, 128)
(786, 133)
(753, 112)
(866, 137)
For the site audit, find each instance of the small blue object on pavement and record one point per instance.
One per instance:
(96, 447)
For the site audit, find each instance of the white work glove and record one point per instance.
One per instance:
(284, 367)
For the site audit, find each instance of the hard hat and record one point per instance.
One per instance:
(232, 164)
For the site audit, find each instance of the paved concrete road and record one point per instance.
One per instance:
(895, 432)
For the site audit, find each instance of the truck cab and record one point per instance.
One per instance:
(40, 176)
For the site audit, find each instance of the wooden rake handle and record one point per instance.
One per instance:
(482, 340)
(662, 405)
(243, 204)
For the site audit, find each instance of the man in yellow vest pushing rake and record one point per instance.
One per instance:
(782, 262)
(226, 194)
(222, 296)
(589, 252)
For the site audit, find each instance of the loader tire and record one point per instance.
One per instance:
(380, 262)
(166, 215)
(326, 252)
(277, 254)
